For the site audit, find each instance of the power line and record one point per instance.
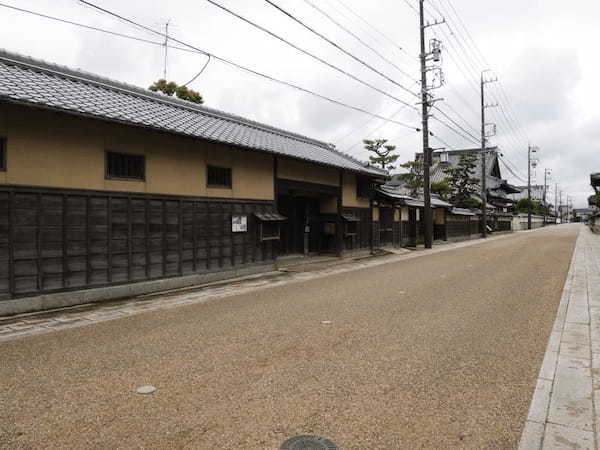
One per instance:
(511, 170)
(375, 129)
(474, 138)
(199, 73)
(306, 52)
(120, 17)
(470, 42)
(386, 37)
(327, 63)
(339, 47)
(469, 66)
(196, 50)
(351, 33)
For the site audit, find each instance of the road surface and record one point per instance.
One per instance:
(440, 351)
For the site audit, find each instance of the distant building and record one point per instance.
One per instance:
(498, 189)
(537, 193)
(582, 214)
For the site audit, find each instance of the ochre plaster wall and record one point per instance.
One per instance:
(57, 150)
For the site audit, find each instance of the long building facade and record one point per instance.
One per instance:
(103, 184)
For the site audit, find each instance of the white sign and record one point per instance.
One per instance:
(239, 224)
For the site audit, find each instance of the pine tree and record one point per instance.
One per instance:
(383, 153)
(461, 181)
(413, 179)
(171, 88)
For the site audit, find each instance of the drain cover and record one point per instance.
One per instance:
(308, 443)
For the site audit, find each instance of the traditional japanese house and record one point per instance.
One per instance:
(537, 193)
(498, 189)
(405, 212)
(107, 189)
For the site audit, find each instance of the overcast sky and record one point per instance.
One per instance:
(544, 53)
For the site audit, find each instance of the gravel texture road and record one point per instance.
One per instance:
(435, 352)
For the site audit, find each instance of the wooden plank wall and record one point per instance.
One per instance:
(56, 240)
(458, 226)
(361, 240)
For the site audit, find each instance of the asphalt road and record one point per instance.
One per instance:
(437, 352)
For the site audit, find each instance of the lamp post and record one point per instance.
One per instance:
(530, 150)
(546, 173)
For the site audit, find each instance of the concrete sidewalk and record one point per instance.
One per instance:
(565, 408)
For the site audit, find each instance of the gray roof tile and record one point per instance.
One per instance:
(25, 80)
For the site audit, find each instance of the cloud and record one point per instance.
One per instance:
(543, 54)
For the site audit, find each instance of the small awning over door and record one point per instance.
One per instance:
(270, 217)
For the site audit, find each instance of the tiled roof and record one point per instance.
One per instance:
(28, 81)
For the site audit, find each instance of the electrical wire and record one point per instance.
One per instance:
(359, 39)
(386, 37)
(199, 73)
(131, 22)
(337, 46)
(192, 49)
(306, 52)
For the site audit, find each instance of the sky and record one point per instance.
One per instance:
(542, 53)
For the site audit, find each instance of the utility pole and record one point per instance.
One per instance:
(426, 102)
(483, 154)
(560, 207)
(546, 172)
(555, 203)
(530, 150)
(529, 187)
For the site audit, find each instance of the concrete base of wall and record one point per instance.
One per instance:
(464, 238)
(72, 298)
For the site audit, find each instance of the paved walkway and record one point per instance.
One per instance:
(434, 352)
(565, 409)
(25, 325)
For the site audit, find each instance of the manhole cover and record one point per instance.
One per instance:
(308, 443)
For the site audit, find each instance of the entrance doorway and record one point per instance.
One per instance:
(300, 232)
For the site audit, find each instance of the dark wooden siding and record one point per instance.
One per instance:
(361, 240)
(55, 240)
(458, 226)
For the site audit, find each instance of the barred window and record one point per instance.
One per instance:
(363, 187)
(2, 153)
(120, 165)
(219, 177)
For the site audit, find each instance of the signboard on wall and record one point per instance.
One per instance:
(239, 223)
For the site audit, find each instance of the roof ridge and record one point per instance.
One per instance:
(355, 160)
(109, 83)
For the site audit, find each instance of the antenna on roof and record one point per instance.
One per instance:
(166, 48)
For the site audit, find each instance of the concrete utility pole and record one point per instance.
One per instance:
(483, 154)
(529, 187)
(555, 203)
(426, 102)
(560, 206)
(546, 172)
(530, 150)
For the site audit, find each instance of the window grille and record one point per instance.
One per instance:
(218, 177)
(120, 165)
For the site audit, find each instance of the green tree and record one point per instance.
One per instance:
(522, 207)
(171, 88)
(383, 153)
(471, 203)
(413, 179)
(441, 188)
(463, 185)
